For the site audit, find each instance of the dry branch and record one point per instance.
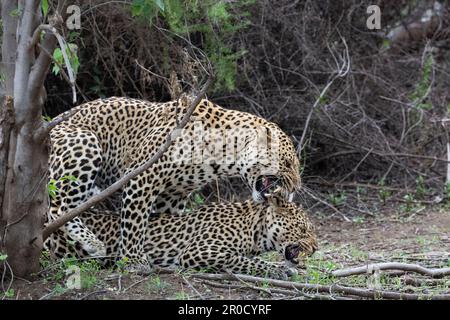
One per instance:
(327, 204)
(333, 289)
(56, 224)
(43, 132)
(63, 46)
(247, 286)
(342, 71)
(361, 185)
(432, 272)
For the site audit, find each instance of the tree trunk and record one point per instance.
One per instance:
(25, 202)
(23, 153)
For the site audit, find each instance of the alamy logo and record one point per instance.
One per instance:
(74, 277)
(73, 21)
(374, 20)
(202, 144)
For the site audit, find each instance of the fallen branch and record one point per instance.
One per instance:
(134, 284)
(420, 282)
(248, 287)
(393, 199)
(191, 286)
(93, 294)
(434, 273)
(335, 288)
(118, 185)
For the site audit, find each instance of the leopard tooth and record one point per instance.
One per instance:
(277, 189)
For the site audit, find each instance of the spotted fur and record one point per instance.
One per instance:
(107, 138)
(215, 237)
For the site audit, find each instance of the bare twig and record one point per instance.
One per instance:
(43, 132)
(149, 71)
(361, 185)
(63, 46)
(355, 169)
(435, 272)
(247, 286)
(64, 117)
(93, 294)
(326, 203)
(268, 291)
(135, 284)
(119, 283)
(342, 71)
(6, 267)
(186, 281)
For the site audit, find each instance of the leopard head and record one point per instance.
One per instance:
(272, 165)
(290, 230)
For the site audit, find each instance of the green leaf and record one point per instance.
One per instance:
(44, 7)
(3, 257)
(59, 60)
(137, 7)
(10, 293)
(47, 118)
(218, 12)
(73, 36)
(198, 199)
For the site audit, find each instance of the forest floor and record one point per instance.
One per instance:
(418, 236)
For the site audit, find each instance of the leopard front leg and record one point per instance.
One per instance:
(207, 257)
(61, 245)
(75, 161)
(137, 198)
(258, 267)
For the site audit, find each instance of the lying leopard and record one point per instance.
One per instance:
(217, 237)
(108, 138)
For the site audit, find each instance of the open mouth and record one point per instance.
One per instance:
(267, 185)
(292, 252)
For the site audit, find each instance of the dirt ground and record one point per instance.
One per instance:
(420, 236)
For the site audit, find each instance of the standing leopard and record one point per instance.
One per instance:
(107, 138)
(216, 237)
